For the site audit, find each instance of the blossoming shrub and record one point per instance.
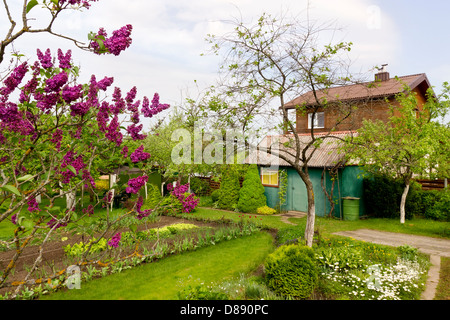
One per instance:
(291, 271)
(55, 135)
(179, 200)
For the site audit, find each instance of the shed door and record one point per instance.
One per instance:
(297, 192)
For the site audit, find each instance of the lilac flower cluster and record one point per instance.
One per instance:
(89, 210)
(70, 94)
(142, 214)
(135, 184)
(156, 107)
(33, 205)
(114, 241)
(12, 119)
(133, 130)
(81, 3)
(119, 41)
(54, 222)
(64, 59)
(14, 218)
(46, 60)
(56, 138)
(124, 151)
(77, 163)
(188, 201)
(56, 83)
(13, 81)
(88, 179)
(139, 155)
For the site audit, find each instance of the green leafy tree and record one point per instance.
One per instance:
(251, 195)
(409, 144)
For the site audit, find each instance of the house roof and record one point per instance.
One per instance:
(325, 155)
(366, 90)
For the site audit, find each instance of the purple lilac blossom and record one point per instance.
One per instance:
(33, 205)
(13, 81)
(156, 107)
(70, 94)
(124, 151)
(56, 138)
(142, 214)
(64, 59)
(105, 83)
(135, 184)
(46, 60)
(119, 41)
(81, 3)
(114, 242)
(133, 131)
(55, 83)
(139, 155)
(89, 210)
(54, 222)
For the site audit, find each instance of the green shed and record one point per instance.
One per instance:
(339, 181)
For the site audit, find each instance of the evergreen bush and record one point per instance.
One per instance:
(153, 197)
(291, 271)
(229, 189)
(251, 195)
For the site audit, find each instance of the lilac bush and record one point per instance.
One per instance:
(187, 200)
(57, 136)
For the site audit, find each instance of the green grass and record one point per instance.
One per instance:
(327, 226)
(443, 288)
(163, 279)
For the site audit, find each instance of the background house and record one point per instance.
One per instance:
(347, 106)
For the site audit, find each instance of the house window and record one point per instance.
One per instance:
(319, 120)
(269, 177)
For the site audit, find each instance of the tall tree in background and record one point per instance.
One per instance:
(410, 144)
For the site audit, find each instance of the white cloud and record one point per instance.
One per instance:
(168, 37)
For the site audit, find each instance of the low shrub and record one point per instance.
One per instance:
(78, 249)
(199, 186)
(200, 292)
(266, 210)
(215, 195)
(291, 271)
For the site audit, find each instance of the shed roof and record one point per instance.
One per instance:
(326, 155)
(366, 90)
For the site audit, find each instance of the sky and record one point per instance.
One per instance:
(169, 38)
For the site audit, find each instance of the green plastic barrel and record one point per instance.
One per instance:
(351, 208)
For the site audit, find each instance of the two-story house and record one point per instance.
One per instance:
(346, 108)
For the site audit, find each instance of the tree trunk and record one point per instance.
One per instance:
(311, 214)
(403, 201)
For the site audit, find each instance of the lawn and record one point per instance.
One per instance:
(163, 279)
(226, 260)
